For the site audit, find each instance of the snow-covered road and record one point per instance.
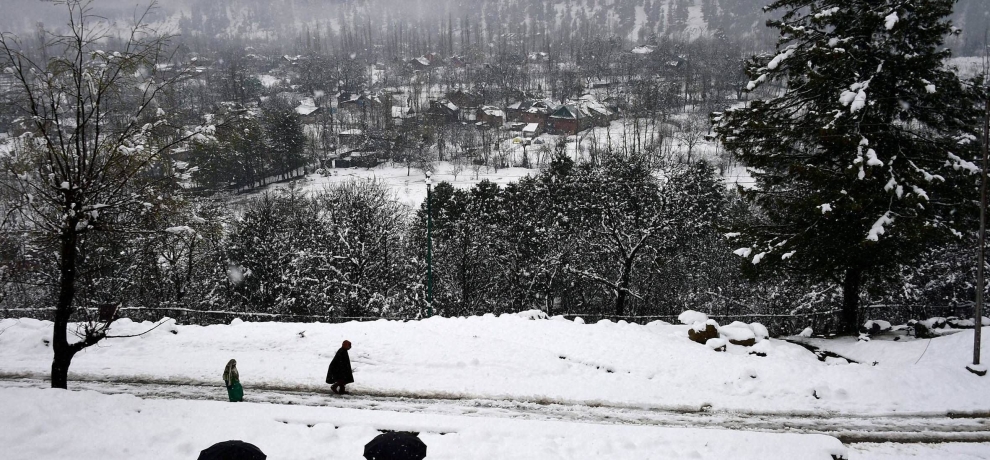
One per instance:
(848, 428)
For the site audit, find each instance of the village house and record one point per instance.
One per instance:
(490, 115)
(530, 111)
(356, 103)
(425, 61)
(351, 137)
(308, 111)
(532, 130)
(420, 63)
(466, 100)
(579, 115)
(444, 111)
(363, 109)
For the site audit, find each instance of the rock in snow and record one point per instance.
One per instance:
(690, 317)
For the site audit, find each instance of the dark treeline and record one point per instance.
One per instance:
(616, 240)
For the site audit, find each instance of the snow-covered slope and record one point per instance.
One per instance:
(651, 366)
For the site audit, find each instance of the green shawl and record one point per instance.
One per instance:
(230, 376)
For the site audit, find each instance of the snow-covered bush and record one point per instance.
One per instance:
(532, 314)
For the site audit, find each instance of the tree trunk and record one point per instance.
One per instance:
(850, 301)
(622, 293)
(63, 309)
(60, 366)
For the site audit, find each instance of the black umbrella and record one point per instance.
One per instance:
(232, 450)
(397, 445)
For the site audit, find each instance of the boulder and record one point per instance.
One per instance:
(921, 331)
(760, 330)
(875, 326)
(703, 332)
(738, 333)
(964, 323)
(689, 317)
(934, 323)
(716, 344)
(744, 343)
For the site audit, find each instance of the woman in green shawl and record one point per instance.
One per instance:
(233, 382)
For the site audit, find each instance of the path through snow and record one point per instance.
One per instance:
(901, 428)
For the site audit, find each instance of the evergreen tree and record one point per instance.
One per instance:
(284, 137)
(860, 159)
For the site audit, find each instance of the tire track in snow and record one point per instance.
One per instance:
(848, 428)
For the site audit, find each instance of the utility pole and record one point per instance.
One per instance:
(981, 263)
(429, 247)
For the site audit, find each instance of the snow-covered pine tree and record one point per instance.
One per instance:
(861, 157)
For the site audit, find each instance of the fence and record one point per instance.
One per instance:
(778, 324)
(291, 175)
(193, 316)
(823, 322)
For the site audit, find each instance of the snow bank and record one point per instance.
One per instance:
(619, 364)
(531, 314)
(61, 424)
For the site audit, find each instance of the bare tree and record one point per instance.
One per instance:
(692, 131)
(90, 115)
(457, 166)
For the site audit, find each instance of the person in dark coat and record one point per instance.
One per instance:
(339, 374)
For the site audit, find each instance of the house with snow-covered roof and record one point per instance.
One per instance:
(466, 100)
(444, 110)
(530, 111)
(308, 111)
(491, 115)
(579, 115)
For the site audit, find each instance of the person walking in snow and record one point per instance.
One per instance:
(339, 374)
(232, 380)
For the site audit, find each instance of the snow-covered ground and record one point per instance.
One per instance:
(410, 187)
(551, 361)
(883, 351)
(516, 388)
(59, 424)
(892, 451)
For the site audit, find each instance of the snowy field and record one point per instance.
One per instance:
(409, 185)
(410, 188)
(547, 361)
(592, 367)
